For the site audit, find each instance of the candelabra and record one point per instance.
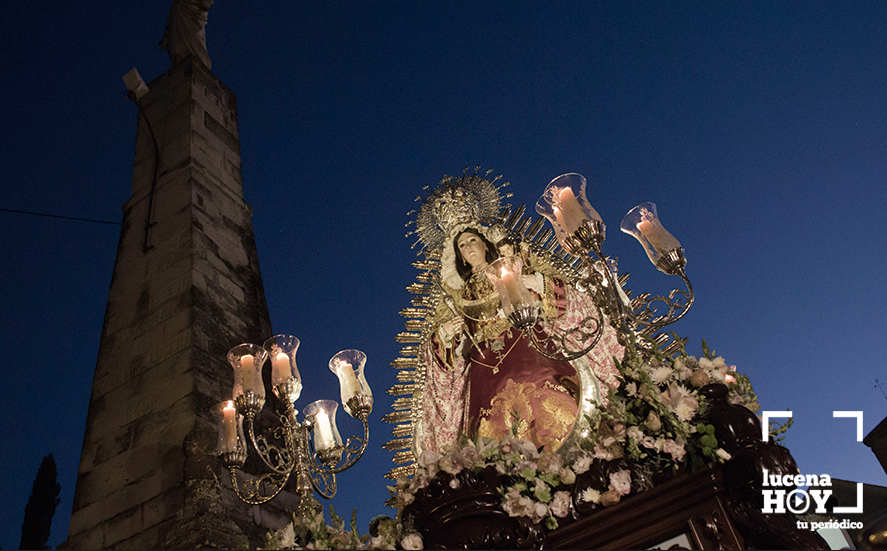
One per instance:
(314, 462)
(581, 232)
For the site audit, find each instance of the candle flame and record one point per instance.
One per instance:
(229, 405)
(340, 364)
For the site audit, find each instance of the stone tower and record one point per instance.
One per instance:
(186, 288)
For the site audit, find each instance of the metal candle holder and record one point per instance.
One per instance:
(290, 451)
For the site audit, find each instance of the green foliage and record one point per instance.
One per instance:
(775, 429)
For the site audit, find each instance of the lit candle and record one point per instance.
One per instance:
(323, 431)
(651, 233)
(511, 286)
(349, 382)
(229, 422)
(280, 369)
(248, 370)
(559, 218)
(573, 213)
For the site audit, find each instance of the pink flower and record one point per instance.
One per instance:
(470, 456)
(428, 461)
(560, 504)
(674, 448)
(653, 422)
(451, 463)
(412, 541)
(621, 481)
(611, 497)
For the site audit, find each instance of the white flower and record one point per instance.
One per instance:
(286, 537)
(428, 458)
(568, 476)
(517, 505)
(661, 374)
(636, 433)
(412, 541)
(631, 388)
(582, 464)
(540, 511)
(590, 495)
(686, 408)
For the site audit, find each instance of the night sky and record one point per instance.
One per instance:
(758, 129)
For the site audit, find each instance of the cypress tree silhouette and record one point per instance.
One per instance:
(41, 506)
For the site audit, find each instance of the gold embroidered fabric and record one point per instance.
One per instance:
(552, 411)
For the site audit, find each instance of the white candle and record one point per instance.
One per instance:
(323, 431)
(280, 369)
(248, 370)
(349, 382)
(229, 423)
(559, 218)
(573, 213)
(511, 286)
(650, 232)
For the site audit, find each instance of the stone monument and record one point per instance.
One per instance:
(186, 287)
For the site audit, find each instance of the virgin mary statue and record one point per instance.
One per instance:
(473, 372)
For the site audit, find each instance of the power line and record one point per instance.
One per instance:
(62, 217)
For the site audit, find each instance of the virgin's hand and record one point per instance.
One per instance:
(451, 328)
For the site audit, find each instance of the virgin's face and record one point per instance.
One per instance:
(473, 249)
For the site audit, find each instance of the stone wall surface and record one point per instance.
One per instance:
(186, 288)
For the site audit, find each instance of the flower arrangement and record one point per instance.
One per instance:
(654, 417)
(389, 534)
(650, 426)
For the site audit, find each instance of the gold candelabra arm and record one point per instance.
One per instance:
(353, 448)
(278, 459)
(323, 482)
(258, 490)
(651, 314)
(567, 346)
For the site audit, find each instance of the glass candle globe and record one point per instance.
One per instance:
(355, 391)
(565, 204)
(327, 440)
(642, 222)
(286, 382)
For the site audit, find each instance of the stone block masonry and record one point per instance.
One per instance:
(186, 287)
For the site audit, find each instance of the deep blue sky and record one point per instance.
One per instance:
(757, 128)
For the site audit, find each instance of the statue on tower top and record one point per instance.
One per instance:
(186, 31)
